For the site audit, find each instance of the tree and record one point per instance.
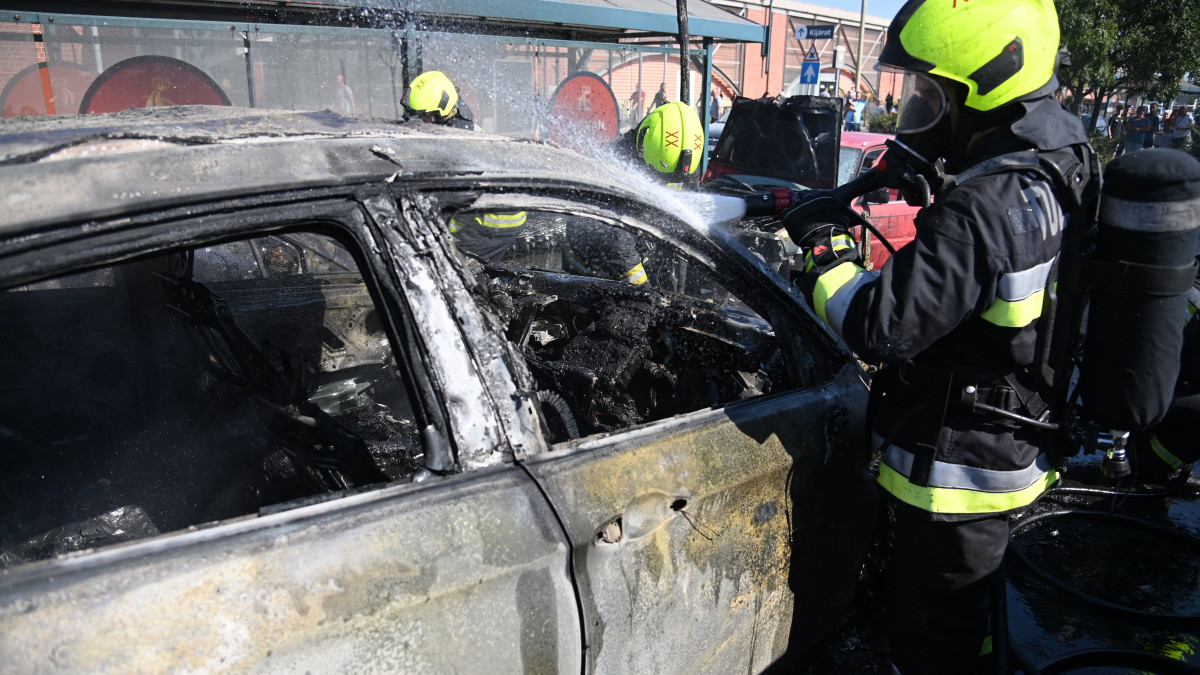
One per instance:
(1143, 48)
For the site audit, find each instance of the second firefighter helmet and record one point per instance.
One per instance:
(671, 139)
(432, 96)
(1000, 51)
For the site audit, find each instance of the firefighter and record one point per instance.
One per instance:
(956, 314)
(669, 140)
(1166, 452)
(433, 98)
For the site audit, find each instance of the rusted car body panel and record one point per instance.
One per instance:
(738, 537)
(393, 581)
(690, 524)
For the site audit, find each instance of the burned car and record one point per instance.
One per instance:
(264, 414)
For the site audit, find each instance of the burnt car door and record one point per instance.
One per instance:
(701, 426)
(214, 435)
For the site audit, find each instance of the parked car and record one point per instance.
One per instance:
(262, 414)
(1101, 124)
(799, 145)
(895, 218)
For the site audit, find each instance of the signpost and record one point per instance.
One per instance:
(810, 72)
(814, 32)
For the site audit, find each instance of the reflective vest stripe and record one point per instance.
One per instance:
(952, 500)
(454, 226)
(1019, 297)
(1164, 454)
(1193, 304)
(954, 488)
(501, 220)
(841, 242)
(636, 275)
(835, 289)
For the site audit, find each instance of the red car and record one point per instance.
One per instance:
(859, 152)
(799, 144)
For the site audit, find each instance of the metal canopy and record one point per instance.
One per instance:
(648, 16)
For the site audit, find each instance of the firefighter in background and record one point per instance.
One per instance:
(670, 141)
(1164, 455)
(433, 98)
(955, 313)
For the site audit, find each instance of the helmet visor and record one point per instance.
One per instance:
(924, 104)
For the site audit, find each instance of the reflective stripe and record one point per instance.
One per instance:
(636, 275)
(1019, 297)
(1015, 314)
(835, 289)
(986, 648)
(1164, 454)
(1193, 304)
(840, 242)
(1150, 216)
(950, 500)
(955, 488)
(501, 220)
(947, 475)
(454, 226)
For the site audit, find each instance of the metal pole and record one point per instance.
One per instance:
(685, 84)
(862, 28)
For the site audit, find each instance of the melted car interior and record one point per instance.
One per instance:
(193, 387)
(608, 353)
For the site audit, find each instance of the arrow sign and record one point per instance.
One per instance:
(810, 73)
(812, 54)
(814, 32)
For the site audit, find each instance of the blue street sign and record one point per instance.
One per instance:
(810, 73)
(814, 32)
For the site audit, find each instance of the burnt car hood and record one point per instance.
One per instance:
(795, 140)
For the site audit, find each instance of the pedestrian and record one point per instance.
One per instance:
(1181, 129)
(1137, 130)
(714, 107)
(1116, 130)
(848, 116)
(955, 314)
(637, 101)
(434, 99)
(891, 106)
(660, 98)
(1155, 134)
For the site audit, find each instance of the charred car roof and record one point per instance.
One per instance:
(126, 162)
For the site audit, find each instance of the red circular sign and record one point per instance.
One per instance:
(43, 89)
(583, 114)
(148, 82)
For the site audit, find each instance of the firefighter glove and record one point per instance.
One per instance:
(826, 247)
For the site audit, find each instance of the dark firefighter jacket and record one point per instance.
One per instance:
(955, 314)
(1175, 440)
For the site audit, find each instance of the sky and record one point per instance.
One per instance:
(884, 8)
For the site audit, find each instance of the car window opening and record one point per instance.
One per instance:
(197, 386)
(622, 329)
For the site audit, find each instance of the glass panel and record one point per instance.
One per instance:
(30, 84)
(193, 387)
(118, 67)
(359, 72)
(622, 329)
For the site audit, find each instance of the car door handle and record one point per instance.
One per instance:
(641, 516)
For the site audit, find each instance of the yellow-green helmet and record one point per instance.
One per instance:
(1001, 50)
(669, 134)
(432, 92)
